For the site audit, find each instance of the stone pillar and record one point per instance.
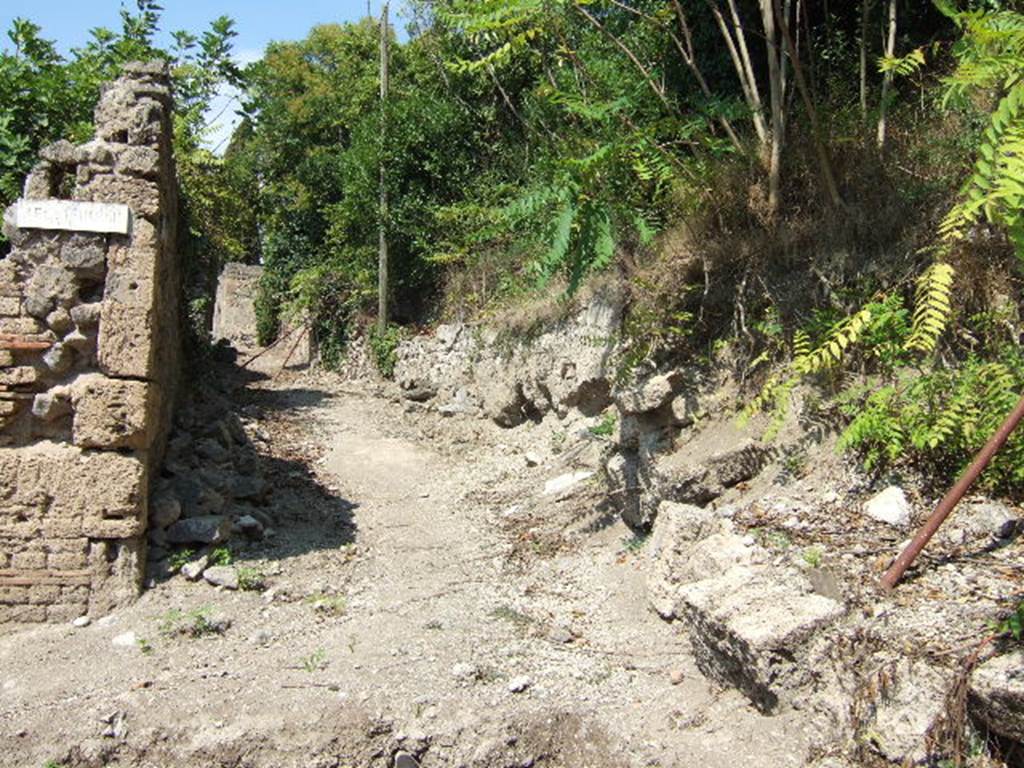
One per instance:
(89, 358)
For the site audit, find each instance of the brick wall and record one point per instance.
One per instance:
(89, 362)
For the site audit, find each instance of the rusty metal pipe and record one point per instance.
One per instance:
(952, 497)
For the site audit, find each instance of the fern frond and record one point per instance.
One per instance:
(902, 65)
(831, 352)
(933, 307)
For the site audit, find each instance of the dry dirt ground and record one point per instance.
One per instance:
(425, 602)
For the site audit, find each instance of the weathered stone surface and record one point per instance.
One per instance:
(112, 413)
(21, 376)
(907, 712)
(222, 576)
(997, 695)
(234, 313)
(676, 529)
(566, 366)
(749, 628)
(125, 341)
(86, 315)
(210, 529)
(675, 477)
(564, 483)
(196, 498)
(51, 285)
(52, 405)
(85, 255)
(59, 358)
(59, 320)
(59, 284)
(98, 491)
(164, 510)
(10, 306)
(139, 161)
(980, 525)
(248, 488)
(62, 152)
(649, 396)
(193, 569)
(212, 450)
(736, 465)
(889, 506)
(249, 527)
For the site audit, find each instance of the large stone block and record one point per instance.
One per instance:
(51, 490)
(126, 341)
(141, 195)
(750, 628)
(997, 695)
(112, 413)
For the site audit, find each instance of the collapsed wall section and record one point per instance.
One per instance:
(89, 357)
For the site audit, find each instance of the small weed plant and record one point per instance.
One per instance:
(606, 427)
(384, 346)
(251, 579)
(329, 605)
(221, 556)
(315, 662)
(178, 559)
(193, 624)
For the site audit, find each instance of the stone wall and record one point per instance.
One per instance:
(234, 313)
(234, 321)
(89, 361)
(512, 378)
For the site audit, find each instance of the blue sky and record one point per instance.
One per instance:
(257, 22)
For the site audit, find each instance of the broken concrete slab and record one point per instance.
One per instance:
(997, 695)
(750, 628)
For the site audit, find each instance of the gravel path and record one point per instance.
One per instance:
(426, 601)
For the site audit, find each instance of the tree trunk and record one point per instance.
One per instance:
(741, 61)
(828, 177)
(864, 14)
(382, 259)
(890, 50)
(778, 105)
(686, 50)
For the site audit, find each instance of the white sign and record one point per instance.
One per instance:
(73, 216)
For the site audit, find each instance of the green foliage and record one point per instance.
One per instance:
(251, 579)
(606, 427)
(941, 418)
(179, 558)
(384, 347)
(813, 556)
(315, 661)
(903, 65)
(193, 624)
(221, 556)
(933, 307)
(990, 59)
(1012, 625)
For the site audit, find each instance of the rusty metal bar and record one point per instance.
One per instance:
(952, 497)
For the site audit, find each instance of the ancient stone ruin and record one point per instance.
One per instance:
(234, 321)
(89, 357)
(234, 314)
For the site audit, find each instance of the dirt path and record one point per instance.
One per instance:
(426, 598)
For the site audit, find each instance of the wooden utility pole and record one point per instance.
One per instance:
(382, 263)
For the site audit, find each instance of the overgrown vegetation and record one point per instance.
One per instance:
(831, 196)
(45, 96)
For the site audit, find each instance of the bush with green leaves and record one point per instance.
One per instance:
(384, 347)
